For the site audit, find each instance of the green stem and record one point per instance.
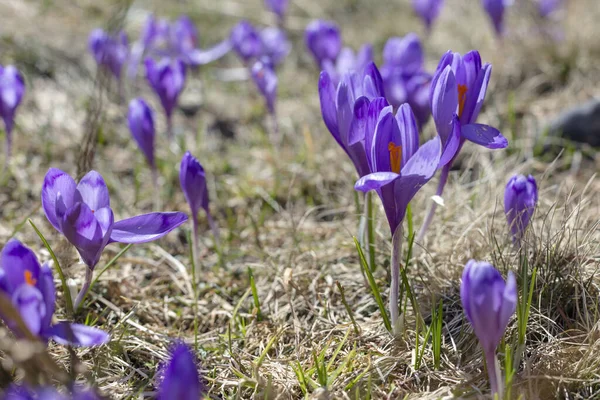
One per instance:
(371, 230)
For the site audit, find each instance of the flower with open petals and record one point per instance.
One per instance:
(344, 108)
(520, 199)
(179, 377)
(81, 212)
(30, 288)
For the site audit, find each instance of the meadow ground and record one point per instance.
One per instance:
(286, 210)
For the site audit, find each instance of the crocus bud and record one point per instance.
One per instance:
(323, 40)
(520, 199)
(193, 184)
(12, 88)
(141, 125)
(279, 7)
(265, 78)
(275, 44)
(495, 9)
(489, 302)
(179, 377)
(428, 10)
(167, 78)
(246, 41)
(108, 51)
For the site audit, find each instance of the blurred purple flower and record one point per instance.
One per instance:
(30, 287)
(404, 77)
(246, 41)
(548, 7)
(347, 62)
(279, 7)
(141, 124)
(520, 199)
(265, 78)
(109, 51)
(489, 302)
(167, 78)
(12, 89)
(23, 392)
(398, 166)
(495, 10)
(428, 10)
(82, 213)
(344, 107)
(178, 377)
(323, 40)
(275, 44)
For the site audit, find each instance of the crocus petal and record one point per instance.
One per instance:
(327, 96)
(81, 228)
(206, 56)
(509, 300)
(55, 182)
(66, 333)
(15, 261)
(387, 133)
(377, 108)
(476, 95)
(93, 191)
(46, 286)
(375, 181)
(484, 135)
(452, 145)
(408, 131)
(345, 110)
(472, 62)
(373, 83)
(28, 300)
(146, 227)
(357, 127)
(180, 378)
(444, 102)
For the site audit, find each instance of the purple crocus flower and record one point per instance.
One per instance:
(323, 40)
(279, 7)
(348, 61)
(167, 78)
(428, 10)
(109, 51)
(495, 10)
(342, 105)
(23, 392)
(457, 93)
(398, 169)
(489, 303)
(520, 199)
(141, 124)
(404, 79)
(275, 44)
(30, 287)
(265, 78)
(246, 41)
(12, 89)
(184, 44)
(193, 184)
(179, 377)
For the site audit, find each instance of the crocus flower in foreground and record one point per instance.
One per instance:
(265, 78)
(428, 10)
(12, 88)
(404, 77)
(342, 105)
(457, 93)
(82, 213)
(30, 287)
(246, 41)
(489, 302)
(323, 40)
(179, 377)
(109, 51)
(399, 168)
(167, 78)
(495, 10)
(520, 199)
(279, 7)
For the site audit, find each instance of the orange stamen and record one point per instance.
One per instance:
(29, 278)
(462, 97)
(395, 156)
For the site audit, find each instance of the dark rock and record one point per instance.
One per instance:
(579, 124)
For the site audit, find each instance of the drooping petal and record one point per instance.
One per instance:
(409, 132)
(484, 135)
(93, 191)
(18, 263)
(55, 182)
(66, 333)
(146, 227)
(358, 125)
(444, 102)
(375, 181)
(327, 96)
